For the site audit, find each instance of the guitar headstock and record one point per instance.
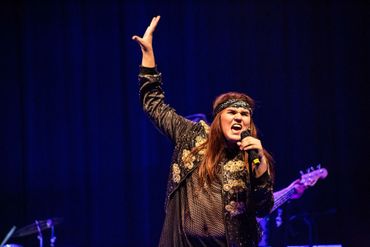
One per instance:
(312, 175)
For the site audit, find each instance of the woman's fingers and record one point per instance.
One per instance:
(146, 41)
(250, 143)
(138, 40)
(155, 21)
(151, 28)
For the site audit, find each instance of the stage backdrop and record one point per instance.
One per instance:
(76, 145)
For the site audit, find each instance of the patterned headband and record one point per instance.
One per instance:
(232, 103)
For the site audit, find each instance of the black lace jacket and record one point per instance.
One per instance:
(244, 196)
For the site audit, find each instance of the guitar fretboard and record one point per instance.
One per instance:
(282, 198)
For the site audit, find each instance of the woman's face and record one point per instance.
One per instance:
(233, 122)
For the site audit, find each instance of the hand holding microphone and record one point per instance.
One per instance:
(252, 152)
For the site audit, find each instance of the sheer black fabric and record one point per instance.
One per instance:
(202, 212)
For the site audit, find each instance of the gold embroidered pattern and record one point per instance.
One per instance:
(188, 159)
(205, 126)
(199, 141)
(235, 208)
(233, 186)
(176, 173)
(234, 166)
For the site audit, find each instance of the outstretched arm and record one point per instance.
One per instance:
(146, 44)
(151, 94)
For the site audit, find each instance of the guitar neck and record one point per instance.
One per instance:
(282, 198)
(306, 180)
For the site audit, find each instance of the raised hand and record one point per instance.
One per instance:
(146, 43)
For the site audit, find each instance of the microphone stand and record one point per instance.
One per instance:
(52, 237)
(40, 234)
(308, 221)
(50, 224)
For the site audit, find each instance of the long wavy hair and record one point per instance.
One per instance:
(216, 144)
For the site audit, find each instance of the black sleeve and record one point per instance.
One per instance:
(162, 115)
(262, 194)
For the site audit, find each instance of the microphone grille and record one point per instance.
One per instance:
(244, 134)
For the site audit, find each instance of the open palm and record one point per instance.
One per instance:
(146, 42)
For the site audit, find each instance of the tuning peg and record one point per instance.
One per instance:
(301, 172)
(318, 166)
(308, 170)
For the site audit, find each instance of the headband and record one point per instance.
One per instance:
(231, 103)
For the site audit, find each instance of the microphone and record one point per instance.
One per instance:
(252, 154)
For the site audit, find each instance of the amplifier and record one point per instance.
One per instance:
(317, 245)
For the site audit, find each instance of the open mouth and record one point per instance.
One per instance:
(236, 127)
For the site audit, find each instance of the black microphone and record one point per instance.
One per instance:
(252, 154)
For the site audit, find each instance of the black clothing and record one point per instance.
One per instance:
(222, 214)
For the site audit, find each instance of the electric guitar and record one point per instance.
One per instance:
(308, 180)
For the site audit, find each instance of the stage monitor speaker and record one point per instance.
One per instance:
(317, 245)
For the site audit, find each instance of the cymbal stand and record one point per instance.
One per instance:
(40, 234)
(10, 233)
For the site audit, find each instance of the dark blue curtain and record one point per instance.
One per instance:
(75, 143)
